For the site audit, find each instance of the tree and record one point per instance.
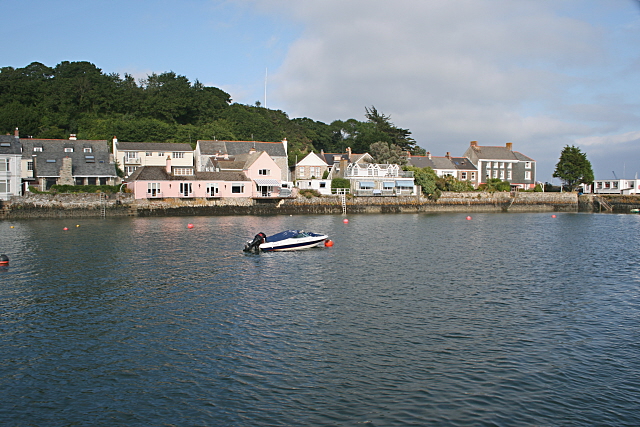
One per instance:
(395, 135)
(384, 153)
(573, 168)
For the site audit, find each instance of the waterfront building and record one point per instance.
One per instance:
(460, 168)
(502, 163)
(613, 186)
(10, 166)
(251, 175)
(46, 162)
(132, 155)
(209, 151)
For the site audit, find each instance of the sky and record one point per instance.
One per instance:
(542, 74)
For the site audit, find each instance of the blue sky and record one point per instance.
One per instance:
(540, 74)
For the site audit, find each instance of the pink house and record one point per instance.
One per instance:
(251, 180)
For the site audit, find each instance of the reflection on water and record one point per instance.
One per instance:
(409, 319)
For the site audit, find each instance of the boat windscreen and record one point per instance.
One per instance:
(283, 235)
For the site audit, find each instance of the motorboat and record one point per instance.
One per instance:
(289, 240)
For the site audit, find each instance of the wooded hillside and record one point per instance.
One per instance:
(78, 98)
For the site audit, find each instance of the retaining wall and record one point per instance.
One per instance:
(91, 205)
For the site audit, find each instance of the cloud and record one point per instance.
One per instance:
(610, 140)
(539, 74)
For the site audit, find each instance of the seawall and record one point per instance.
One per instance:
(113, 205)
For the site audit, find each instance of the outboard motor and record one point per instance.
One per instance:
(254, 245)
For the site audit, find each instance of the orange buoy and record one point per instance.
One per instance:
(189, 225)
(328, 243)
(346, 221)
(469, 218)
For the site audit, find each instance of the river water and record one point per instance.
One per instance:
(409, 319)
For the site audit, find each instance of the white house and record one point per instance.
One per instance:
(132, 155)
(613, 186)
(10, 166)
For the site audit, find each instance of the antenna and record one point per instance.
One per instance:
(266, 72)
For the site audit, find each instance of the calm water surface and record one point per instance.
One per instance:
(506, 319)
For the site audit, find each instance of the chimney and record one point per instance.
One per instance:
(429, 155)
(349, 153)
(16, 134)
(474, 143)
(448, 155)
(168, 167)
(510, 146)
(115, 140)
(72, 137)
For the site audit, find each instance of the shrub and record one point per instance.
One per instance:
(85, 188)
(309, 193)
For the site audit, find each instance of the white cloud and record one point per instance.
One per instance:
(610, 140)
(539, 74)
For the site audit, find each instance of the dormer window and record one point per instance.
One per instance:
(68, 150)
(37, 148)
(87, 149)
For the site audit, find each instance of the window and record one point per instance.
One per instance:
(463, 175)
(51, 160)
(212, 190)
(315, 171)
(495, 173)
(501, 174)
(527, 175)
(495, 164)
(509, 165)
(301, 172)
(29, 166)
(323, 185)
(185, 189)
(237, 188)
(149, 154)
(4, 165)
(178, 155)
(68, 150)
(90, 159)
(183, 171)
(5, 185)
(153, 189)
(615, 184)
(508, 174)
(37, 148)
(130, 169)
(527, 165)
(599, 184)
(502, 165)
(473, 175)
(92, 180)
(607, 184)
(161, 154)
(265, 172)
(87, 149)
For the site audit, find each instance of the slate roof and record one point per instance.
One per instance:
(498, 153)
(439, 163)
(14, 147)
(238, 162)
(233, 148)
(153, 146)
(159, 173)
(48, 161)
(329, 158)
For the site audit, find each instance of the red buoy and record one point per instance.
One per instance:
(328, 243)
(65, 229)
(346, 221)
(189, 225)
(468, 218)
(553, 216)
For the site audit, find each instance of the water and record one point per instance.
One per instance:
(426, 319)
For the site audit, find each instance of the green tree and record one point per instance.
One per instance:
(395, 135)
(426, 178)
(573, 168)
(385, 153)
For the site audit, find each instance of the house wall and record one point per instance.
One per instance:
(171, 189)
(11, 179)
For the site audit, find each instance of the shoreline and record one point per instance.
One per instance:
(35, 206)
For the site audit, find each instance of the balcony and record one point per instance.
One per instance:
(132, 161)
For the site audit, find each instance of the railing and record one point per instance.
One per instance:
(156, 195)
(132, 161)
(340, 191)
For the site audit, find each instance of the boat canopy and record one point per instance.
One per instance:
(285, 235)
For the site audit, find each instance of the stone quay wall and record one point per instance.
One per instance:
(122, 204)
